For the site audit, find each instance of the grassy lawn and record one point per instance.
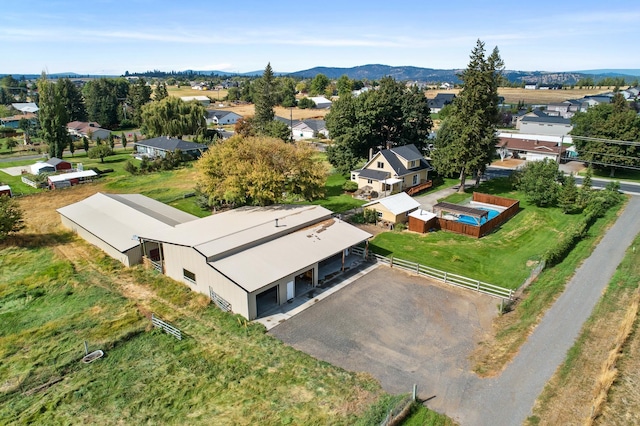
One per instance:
(336, 199)
(504, 257)
(224, 369)
(620, 174)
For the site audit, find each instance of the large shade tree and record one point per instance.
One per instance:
(466, 141)
(390, 116)
(259, 171)
(53, 116)
(600, 133)
(173, 117)
(73, 100)
(139, 95)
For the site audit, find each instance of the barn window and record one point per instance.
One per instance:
(189, 276)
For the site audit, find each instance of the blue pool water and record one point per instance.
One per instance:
(472, 221)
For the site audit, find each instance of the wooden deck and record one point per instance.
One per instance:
(419, 187)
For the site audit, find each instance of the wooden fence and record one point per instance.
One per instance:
(33, 183)
(445, 277)
(168, 328)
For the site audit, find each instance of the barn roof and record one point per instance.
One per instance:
(117, 218)
(261, 265)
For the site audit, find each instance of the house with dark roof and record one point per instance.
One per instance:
(88, 129)
(530, 149)
(158, 147)
(440, 101)
(390, 171)
(310, 128)
(221, 117)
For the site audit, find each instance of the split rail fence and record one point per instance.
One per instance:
(443, 276)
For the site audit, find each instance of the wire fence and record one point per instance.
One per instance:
(168, 328)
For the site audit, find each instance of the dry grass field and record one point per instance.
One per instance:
(514, 95)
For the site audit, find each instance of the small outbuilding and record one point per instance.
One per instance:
(52, 165)
(422, 221)
(70, 179)
(395, 208)
(5, 190)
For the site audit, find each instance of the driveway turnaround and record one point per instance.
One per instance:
(403, 330)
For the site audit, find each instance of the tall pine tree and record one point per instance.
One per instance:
(466, 140)
(53, 116)
(265, 99)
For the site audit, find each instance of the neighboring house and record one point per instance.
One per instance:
(307, 129)
(564, 109)
(446, 86)
(52, 165)
(88, 129)
(545, 125)
(440, 101)
(393, 170)
(5, 190)
(13, 121)
(158, 147)
(221, 117)
(248, 260)
(531, 85)
(70, 179)
(395, 208)
(321, 102)
(530, 150)
(204, 100)
(25, 107)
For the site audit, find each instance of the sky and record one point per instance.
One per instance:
(113, 36)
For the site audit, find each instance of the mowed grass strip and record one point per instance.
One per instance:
(505, 257)
(225, 371)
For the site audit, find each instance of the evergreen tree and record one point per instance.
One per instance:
(139, 95)
(123, 139)
(160, 92)
(53, 117)
(85, 144)
(264, 99)
(466, 141)
(73, 100)
(568, 197)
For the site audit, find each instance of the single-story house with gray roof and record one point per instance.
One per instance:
(222, 117)
(248, 260)
(158, 147)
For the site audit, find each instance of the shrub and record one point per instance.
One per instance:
(370, 216)
(400, 227)
(357, 218)
(129, 167)
(374, 194)
(350, 186)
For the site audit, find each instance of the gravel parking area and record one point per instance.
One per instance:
(400, 328)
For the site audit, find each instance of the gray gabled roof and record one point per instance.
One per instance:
(547, 119)
(218, 113)
(391, 155)
(167, 143)
(373, 174)
(408, 152)
(315, 125)
(54, 161)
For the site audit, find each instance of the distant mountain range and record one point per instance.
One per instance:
(404, 73)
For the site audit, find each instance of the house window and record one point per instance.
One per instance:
(379, 214)
(380, 165)
(353, 177)
(415, 179)
(369, 181)
(189, 276)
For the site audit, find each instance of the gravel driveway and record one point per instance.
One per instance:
(400, 328)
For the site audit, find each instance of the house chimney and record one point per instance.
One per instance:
(370, 153)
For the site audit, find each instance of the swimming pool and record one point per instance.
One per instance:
(472, 221)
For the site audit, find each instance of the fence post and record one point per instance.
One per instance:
(445, 277)
(417, 268)
(415, 391)
(478, 286)
(391, 262)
